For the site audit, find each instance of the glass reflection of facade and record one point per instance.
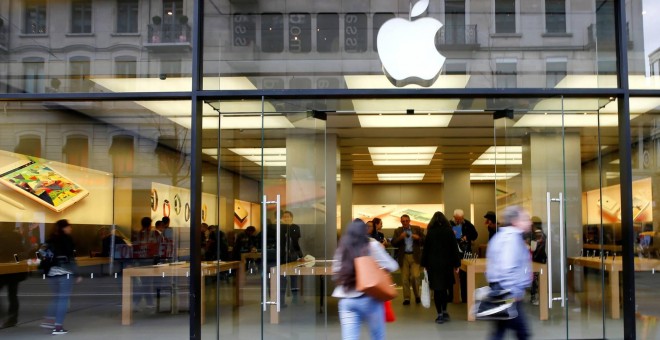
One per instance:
(220, 115)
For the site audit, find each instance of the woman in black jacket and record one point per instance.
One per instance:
(441, 259)
(61, 275)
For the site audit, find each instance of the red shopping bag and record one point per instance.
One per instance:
(389, 312)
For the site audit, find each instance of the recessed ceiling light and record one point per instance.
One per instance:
(401, 177)
(403, 120)
(402, 155)
(271, 156)
(500, 155)
(493, 176)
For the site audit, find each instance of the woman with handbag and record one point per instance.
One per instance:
(356, 306)
(441, 259)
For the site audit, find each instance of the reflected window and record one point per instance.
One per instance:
(456, 68)
(355, 32)
(76, 150)
(454, 22)
(122, 154)
(555, 16)
(79, 72)
(555, 71)
(300, 32)
(606, 67)
(505, 16)
(125, 67)
(35, 17)
(272, 32)
(506, 73)
(29, 145)
(34, 79)
(170, 68)
(379, 20)
(327, 32)
(81, 16)
(127, 16)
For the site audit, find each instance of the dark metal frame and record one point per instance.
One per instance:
(197, 95)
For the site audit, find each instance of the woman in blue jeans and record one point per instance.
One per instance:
(354, 306)
(61, 275)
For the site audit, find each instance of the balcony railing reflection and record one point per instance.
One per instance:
(457, 35)
(169, 35)
(4, 38)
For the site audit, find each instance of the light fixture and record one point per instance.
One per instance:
(500, 155)
(270, 156)
(493, 176)
(402, 155)
(403, 120)
(401, 177)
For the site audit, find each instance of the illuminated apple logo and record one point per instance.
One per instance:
(407, 48)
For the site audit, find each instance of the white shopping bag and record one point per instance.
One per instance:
(426, 294)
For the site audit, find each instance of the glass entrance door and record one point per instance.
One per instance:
(267, 173)
(548, 157)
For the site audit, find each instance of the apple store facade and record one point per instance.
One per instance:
(189, 143)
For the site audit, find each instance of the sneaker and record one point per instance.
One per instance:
(58, 331)
(418, 300)
(440, 319)
(535, 302)
(406, 302)
(9, 323)
(47, 324)
(445, 317)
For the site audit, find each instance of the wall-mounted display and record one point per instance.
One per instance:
(44, 191)
(420, 214)
(176, 199)
(608, 199)
(246, 214)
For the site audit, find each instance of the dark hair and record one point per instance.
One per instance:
(353, 243)
(287, 212)
(61, 224)
(438, 220)
(158, 223)
(166, 220)
(251, 229)
(145, 222)
(405, 215)
(374, 232)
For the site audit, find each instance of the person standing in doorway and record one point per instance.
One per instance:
(491, 224)
(509, 266)
(465, 233)
(409, 240)
(12, 250)
(441, 260)
(293, 252)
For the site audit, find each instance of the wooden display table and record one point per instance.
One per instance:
(24, 267)
(241, 268)
(614, 267)
(209, 268)
(310, 268)
(472, 267)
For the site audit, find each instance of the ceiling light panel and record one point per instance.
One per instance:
(493, 176)
(500, 155)
(271, 156)
(403, 155)
(404, 120)
(401, 177)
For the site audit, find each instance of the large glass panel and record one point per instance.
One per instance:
(119, 173)
(645, 163)
(476, 33)
(150, 32)
(271, 178)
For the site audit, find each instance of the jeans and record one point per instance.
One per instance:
(61, 287)
(364, 308)
(518, 325)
